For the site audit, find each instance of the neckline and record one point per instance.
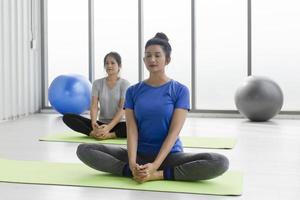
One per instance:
(159, 86)
(111, 88)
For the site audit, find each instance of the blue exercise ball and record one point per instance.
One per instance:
(259, 98)
(70, 94)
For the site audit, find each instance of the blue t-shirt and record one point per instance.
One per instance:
(153, 109)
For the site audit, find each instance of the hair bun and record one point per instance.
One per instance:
(161, 36)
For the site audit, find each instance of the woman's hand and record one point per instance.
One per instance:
(95, 125)
(95, 134)
(134, 169)
(104, 129)
(147, 172)
(148, 168)
(102, 133)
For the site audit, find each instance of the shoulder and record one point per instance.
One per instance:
(136, 87)
(124, 82)
(99, 81)
(179, 87)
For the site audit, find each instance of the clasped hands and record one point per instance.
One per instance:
(143, 173)
(100, 131)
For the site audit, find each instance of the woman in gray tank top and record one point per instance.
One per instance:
(108, 92)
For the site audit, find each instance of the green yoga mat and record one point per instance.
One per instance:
(73, 174)
(188, 141)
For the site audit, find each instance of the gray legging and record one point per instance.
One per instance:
(183, 166)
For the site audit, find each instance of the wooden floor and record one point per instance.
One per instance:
(268, 154)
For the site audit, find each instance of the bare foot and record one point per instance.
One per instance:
(92, 133)
(105, 136)
(157, 175)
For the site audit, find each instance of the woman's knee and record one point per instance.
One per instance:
(221, 163)
(67, 117)
(217, 164)
(84, 150)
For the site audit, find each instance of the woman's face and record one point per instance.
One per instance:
(111, 66)
(155, 58)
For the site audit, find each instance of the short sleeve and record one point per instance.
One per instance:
(129, 99)
(95, 90)
(183, 98)
(124, 86)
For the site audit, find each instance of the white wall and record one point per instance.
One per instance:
(20, 65)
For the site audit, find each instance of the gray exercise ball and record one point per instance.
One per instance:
(259, 98)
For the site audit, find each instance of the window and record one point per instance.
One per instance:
(221, 52)
(67, 38)
(173, 18)
(276, 45)
(116, 29)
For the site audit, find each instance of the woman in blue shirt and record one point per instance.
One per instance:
(155, 111)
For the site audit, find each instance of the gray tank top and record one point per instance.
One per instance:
(109, 98)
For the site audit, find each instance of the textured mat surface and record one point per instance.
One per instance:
(76, 174)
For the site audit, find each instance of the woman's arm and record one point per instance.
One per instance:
(94, 111)
(132, 137)
(177, 122)
(118, 116)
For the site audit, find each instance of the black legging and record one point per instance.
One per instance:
(83, 125)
